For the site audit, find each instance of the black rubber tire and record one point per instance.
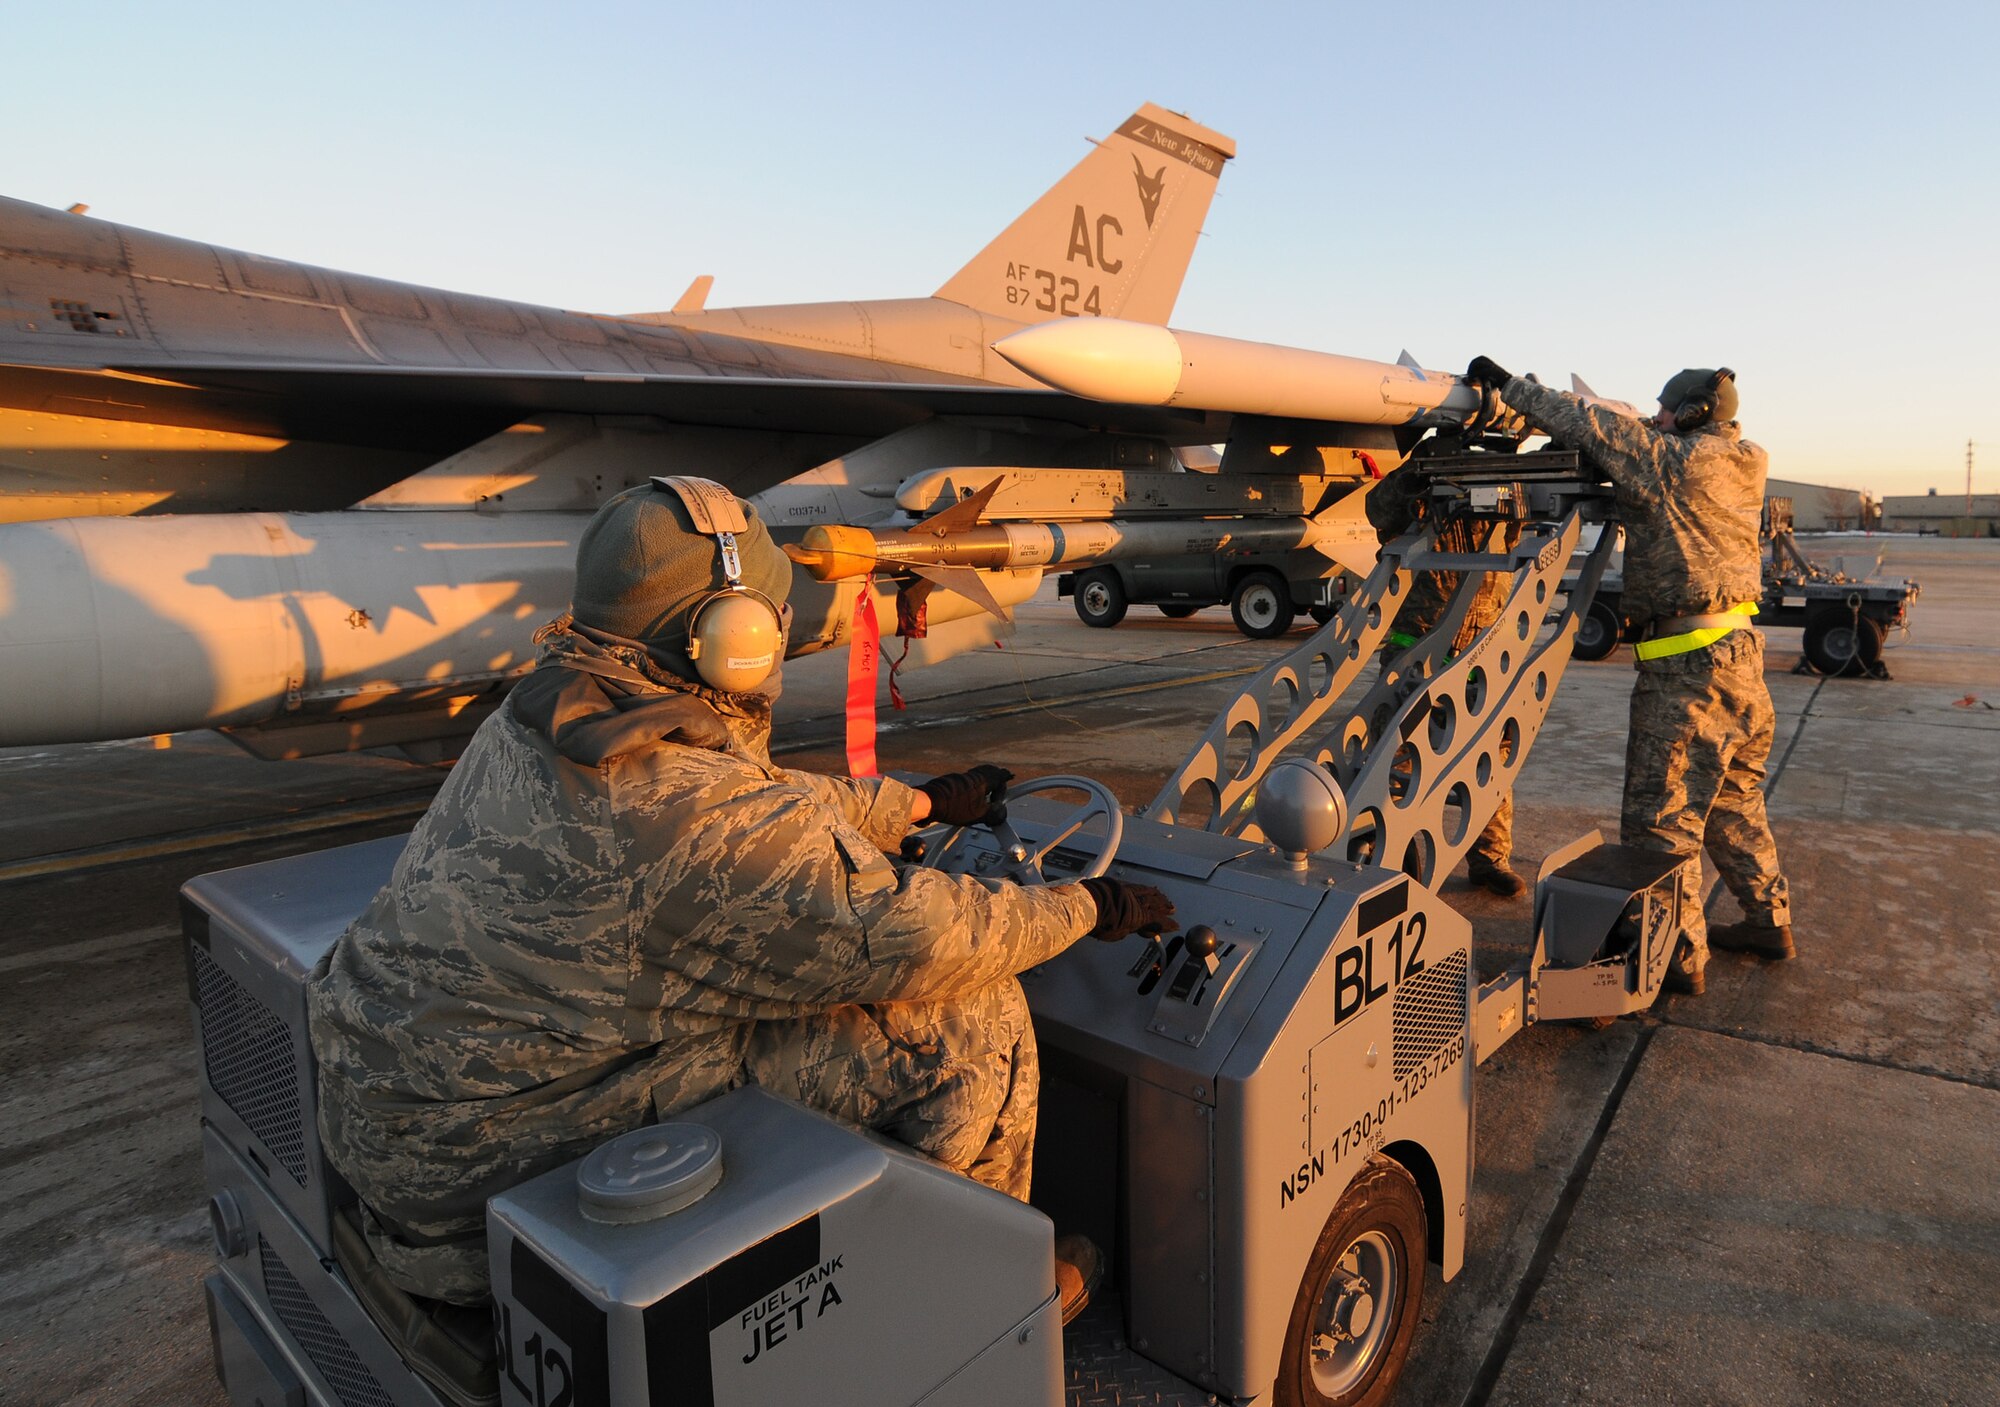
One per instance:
(1261, 605)
(1180, 612)
(1322, 614)
(1382, 1211)
(1598, 633)
(1100, 598)
(1838, 641)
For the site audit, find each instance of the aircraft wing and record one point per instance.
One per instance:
(299, 399)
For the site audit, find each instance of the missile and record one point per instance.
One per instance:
(948, 552)
(1108, 359)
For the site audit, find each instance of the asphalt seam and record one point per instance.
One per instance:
(1030, 705)
(343, 814)
(116, 853)
(1771, 782)
(1557, 1227)
(84, 949)
(1875, 1062)
(1550, 1242)
(1807, 1047)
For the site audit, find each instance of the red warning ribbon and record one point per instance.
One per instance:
(864, 663)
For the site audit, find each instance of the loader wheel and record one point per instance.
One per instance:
(1178, 612)
(1598, 633)
(1100, 598)
(1262, 605)
(1838, 641)
(1356, 1309)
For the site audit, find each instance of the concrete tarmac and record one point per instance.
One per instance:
(1781, 1192)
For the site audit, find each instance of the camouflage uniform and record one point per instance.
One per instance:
(1392, 512)
(1702, 722)
(567, 951)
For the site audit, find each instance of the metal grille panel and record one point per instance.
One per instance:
(248, 1055)
(1429, 1010)
(335, 1358)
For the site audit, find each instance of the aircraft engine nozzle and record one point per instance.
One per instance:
(1107, 359)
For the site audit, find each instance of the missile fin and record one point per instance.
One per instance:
(1403, 358)
(1352, 504)
(1358, 549)
(965, 581)
(1579, 387)
(963, 514)
(1354, 557)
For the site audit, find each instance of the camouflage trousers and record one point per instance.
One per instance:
(1495, 844)
(1702, 726)
(956, 1080)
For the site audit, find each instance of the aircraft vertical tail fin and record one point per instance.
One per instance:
(1113, 237)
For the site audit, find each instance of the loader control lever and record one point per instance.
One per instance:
(1202, 944)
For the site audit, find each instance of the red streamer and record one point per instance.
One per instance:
(864, 663)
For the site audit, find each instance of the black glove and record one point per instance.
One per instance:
(1124, 909)
(1487, 372)
(964, 798)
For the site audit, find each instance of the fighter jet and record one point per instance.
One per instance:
(323, 510)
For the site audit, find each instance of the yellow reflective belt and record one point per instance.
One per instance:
(1694, 639)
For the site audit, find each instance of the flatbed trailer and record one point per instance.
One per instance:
(1845, 619)
(1265, 1118)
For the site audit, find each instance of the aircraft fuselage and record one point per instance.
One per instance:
(140, 372)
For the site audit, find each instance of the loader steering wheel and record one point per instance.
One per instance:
(1021, 861)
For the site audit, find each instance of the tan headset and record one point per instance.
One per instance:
(1697, 410)
(736, 635)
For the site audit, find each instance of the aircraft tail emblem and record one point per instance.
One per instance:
(1150, 188)
(1107, 240)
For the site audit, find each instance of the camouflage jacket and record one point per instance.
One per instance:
(1690, 503)
(565, 950)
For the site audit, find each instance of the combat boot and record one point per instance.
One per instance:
(1495, 877)
(1772, 942)
(1079, 1267)
(1683, 978)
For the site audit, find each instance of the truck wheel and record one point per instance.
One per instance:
(1598, 633)
(1262, 605)
(1322, 614)
(1100, 598)
(1178, 612)
(1357, 1307)
(1840, 642)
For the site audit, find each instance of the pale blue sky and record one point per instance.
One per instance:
(1808, 193)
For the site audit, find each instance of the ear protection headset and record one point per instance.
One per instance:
(735, 635)
(1697, 410)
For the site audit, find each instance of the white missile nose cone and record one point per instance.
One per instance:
(1104, 359)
